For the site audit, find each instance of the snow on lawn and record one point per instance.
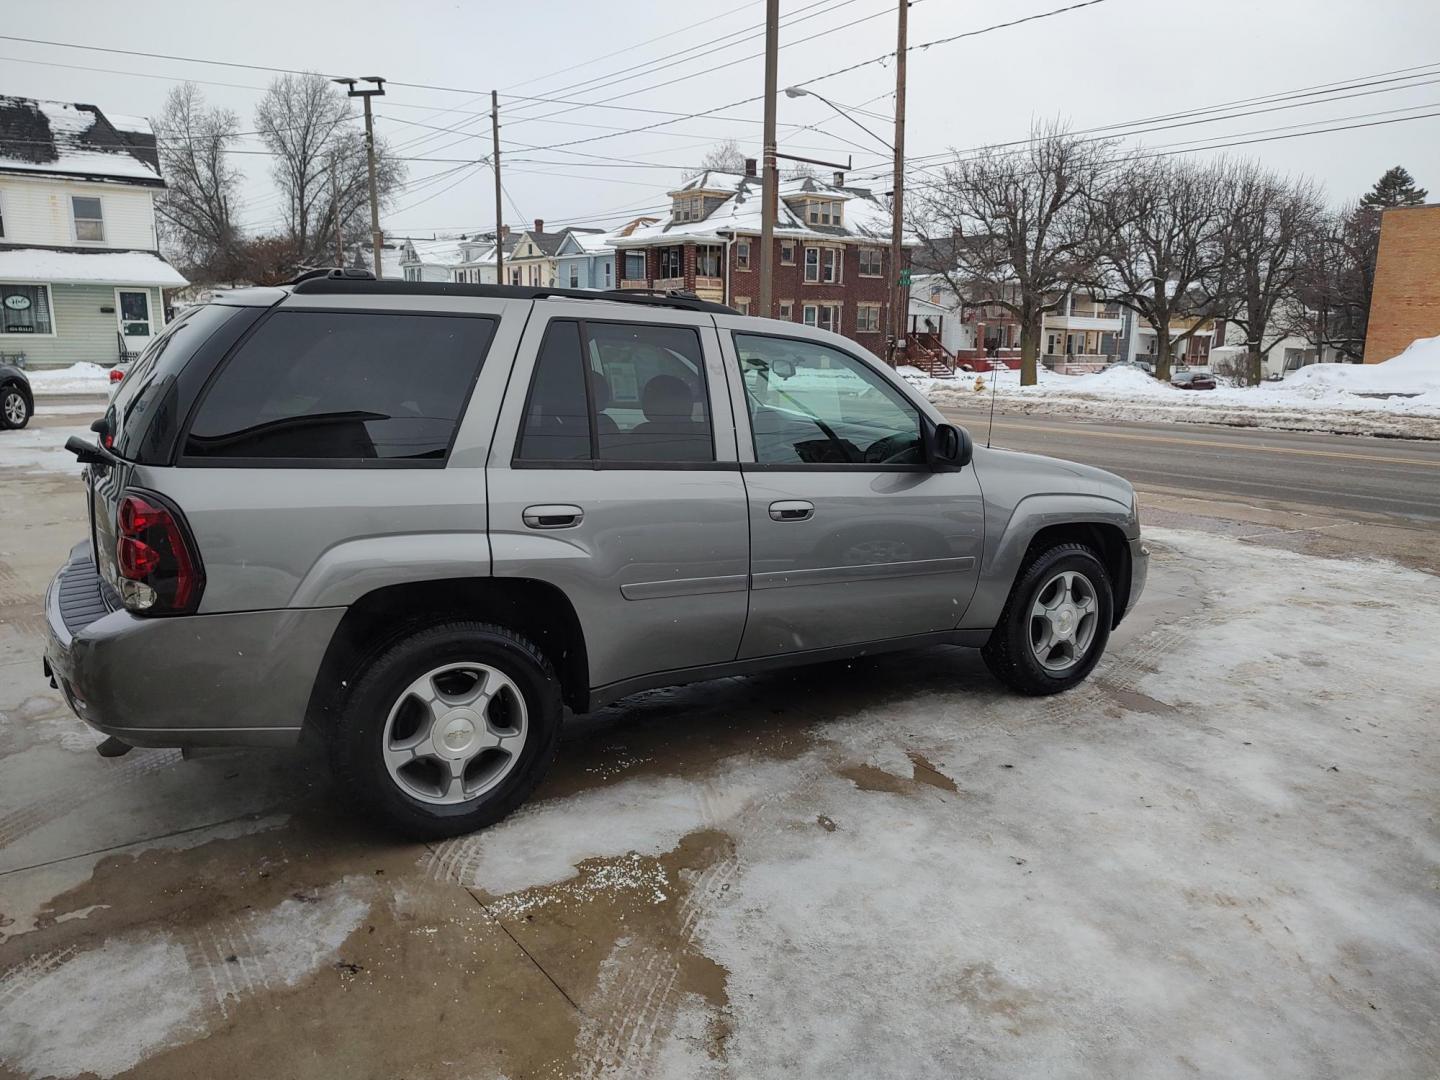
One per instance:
(76, 379)
(1214, 857)
(1400, 397)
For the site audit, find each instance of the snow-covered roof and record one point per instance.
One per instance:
(80, 267)
(440, 252)
(57, 137)
(865, 216)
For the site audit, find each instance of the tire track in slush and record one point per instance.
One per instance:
(52, 807)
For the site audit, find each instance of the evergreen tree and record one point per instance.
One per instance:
(1395, 188)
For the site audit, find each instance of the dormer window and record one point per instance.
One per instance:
(689, 208)
(823, 212)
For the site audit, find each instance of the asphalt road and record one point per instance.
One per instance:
(1389, 477)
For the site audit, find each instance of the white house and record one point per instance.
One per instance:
(81, 276)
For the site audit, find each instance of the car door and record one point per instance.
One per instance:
(614, 477)
(854, 538)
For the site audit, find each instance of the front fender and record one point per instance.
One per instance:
(1005, 547)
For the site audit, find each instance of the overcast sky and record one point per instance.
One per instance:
(1118, 61)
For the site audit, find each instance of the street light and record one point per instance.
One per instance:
(800, 91)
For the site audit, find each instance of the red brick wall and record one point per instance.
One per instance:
(1405, 303)
(790, 284)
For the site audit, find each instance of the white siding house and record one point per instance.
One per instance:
(81, 277)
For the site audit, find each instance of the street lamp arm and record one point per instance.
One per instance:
(800, 91)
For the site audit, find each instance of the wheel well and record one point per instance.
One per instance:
(1108, 542)
(22, 387)
(535, 609)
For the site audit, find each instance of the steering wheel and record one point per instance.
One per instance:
(890, 450)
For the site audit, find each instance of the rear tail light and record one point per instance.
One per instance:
(159, 573)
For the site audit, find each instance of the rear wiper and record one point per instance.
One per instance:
(89, 453)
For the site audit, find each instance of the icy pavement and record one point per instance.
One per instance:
(1217, 857)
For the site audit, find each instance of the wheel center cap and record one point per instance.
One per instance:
(1064, 621)
(457, 732)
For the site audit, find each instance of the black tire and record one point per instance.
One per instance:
(13, 399)
(355, 739)
(1008, 653)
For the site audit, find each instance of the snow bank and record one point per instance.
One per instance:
(76, 379)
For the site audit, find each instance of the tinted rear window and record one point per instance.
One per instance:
(148, 393)
(331, 386)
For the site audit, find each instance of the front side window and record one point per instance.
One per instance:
(707, 261)
(618, 392)
(822, 265)
(89, 218)
(810, 404)
(787, 308)
(353, 387)
(574, 276)
(742, 305)
(25, 309)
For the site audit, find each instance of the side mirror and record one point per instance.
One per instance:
(950, 447)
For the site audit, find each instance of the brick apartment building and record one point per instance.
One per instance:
(1405, 302)
(832, 259)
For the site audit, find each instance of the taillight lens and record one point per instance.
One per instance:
(159, 574)
(116, 374)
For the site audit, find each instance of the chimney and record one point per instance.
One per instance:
(539, 224)
(750, 166)
(839, 179)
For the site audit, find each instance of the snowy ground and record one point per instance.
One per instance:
(1218, 857)
(75, 379)
(42, 449)
(1399, 398)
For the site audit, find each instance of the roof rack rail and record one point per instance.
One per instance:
(333, 273)
(320, 282)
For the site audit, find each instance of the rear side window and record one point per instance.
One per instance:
(618, 392)
(357, 387)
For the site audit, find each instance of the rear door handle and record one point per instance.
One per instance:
(792, 510)
(561, 516)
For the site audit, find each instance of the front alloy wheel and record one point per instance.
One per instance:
(1063, 620)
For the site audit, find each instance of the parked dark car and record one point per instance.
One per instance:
(1192, 380)
(17, 402)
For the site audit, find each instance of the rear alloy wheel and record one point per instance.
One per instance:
(1055, 624)
(14, 409)
(450, 728)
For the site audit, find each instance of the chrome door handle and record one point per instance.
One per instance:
(561, 516)
(792, 510)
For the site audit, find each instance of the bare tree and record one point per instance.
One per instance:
(196, 211)
(722, 157)
(320, 165)
(1270, 228)
(1014, 227)
(1161, 252)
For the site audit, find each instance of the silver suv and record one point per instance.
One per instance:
(417, 520)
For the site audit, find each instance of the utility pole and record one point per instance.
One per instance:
(499, 209)
(769, 178)
(378, 90)
(898, 313)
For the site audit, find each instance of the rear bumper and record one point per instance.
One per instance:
(240, 679)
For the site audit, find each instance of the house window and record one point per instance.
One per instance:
(515, 275)
(822, 265)
(871, 264)
(89, 218)
(672, 262)
(867, 319)
(787, 252)
(574, 276)
(822, 212)
(689, 208)
(634, 266)
(707, 261)
(25, 309)
(742, 254)
(823, 316)
(608, 269)
(412, 273)
(787, 310)
(742, 305)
